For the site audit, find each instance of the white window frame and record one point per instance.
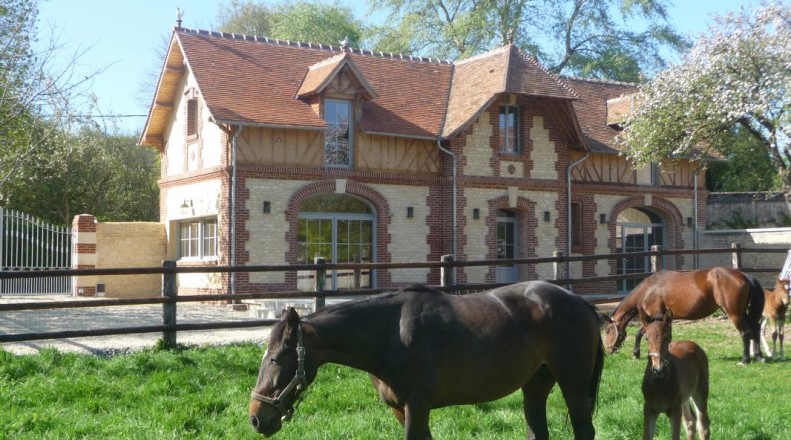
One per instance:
(206, 231)
(332, 125)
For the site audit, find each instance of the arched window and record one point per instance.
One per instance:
(339, 228)
(637, 230)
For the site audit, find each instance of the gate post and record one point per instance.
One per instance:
(447, 272)
(169, 290)
(736, 255)
(320, 281)
(656, 260)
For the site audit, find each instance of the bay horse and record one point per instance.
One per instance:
(775, 309)
(676, 381)
(424, 349)
(693, 295)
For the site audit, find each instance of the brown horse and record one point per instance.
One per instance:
(424, 349)
(775, 308)
(693, 295)
(676, 380)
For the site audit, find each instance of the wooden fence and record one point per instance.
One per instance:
(170, 298)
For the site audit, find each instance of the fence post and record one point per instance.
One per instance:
(736, 255)
(446, 272)
(169, 290)
(656, 260)
(321, 279)
(557, 265)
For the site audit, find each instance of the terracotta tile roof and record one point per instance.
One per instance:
(477, 81)
(321, 73)
(258, 81)
(591, 110)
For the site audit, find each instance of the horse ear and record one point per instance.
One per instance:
(669, 316)
(291, 316)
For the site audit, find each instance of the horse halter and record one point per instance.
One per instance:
(618, 340)
(297, 385)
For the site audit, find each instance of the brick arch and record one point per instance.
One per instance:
(374, 198)
(528, 240)
(665, 209)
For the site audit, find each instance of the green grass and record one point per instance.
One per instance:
(203, 393)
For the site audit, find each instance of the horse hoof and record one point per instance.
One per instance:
(740, 364)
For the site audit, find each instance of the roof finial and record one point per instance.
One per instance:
(179, 14)
(344, 44)
(509, 37)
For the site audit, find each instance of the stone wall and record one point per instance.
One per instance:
(774, 238)
(118, 245)
(746, 210)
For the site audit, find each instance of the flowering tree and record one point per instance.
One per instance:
(738, 75)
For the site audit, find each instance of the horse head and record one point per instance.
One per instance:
(782, 287)
(659, 332)
(614, 335)
(282, 378)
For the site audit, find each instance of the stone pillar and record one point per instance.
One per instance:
(84, 253)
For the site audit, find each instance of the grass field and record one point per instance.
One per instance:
(202, 393)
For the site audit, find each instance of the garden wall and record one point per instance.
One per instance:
(118, 245)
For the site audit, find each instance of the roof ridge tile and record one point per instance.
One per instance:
(314, 46)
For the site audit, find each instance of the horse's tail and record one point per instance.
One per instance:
(755, 304)
(598, 368)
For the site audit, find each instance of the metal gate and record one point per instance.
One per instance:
(28, 243)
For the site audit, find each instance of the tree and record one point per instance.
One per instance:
(748, 166)
(30, 92)
(736, 76)
(592, 38)
(305, 21)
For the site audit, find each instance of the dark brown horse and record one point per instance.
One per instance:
(676, 381)
(775, 309)
(424, 349)
(693, 295)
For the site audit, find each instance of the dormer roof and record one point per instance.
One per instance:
(321, 74)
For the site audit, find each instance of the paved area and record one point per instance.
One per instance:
(35, 321)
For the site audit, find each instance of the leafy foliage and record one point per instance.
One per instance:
(308, 21)
(737, 75)
(592, 38)
(748, 166)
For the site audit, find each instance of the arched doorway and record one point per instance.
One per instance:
(339, 228)
(637, 229)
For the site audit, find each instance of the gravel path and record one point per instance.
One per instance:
(34, 321)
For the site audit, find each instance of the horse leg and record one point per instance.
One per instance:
(416, 416)
(637, 338)
(675, 422)
(576, 392)
(699, 402)
(763, 338)
(535, 394)
(649, 422)
(745, 331)
(689, 420)
(781, 330)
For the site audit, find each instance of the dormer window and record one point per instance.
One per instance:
(192, 117)
(509, 128)
(338, 140)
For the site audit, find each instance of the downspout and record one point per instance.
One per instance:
(233, 207)
(695, 218)
(568, 205)
(453, 158)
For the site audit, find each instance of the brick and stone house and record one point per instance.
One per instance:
(276, 152)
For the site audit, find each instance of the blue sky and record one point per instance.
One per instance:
(124, 37)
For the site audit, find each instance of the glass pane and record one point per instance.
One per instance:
(343, 231)
(335, 203)
(337, 145)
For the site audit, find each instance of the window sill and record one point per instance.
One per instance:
(197, 262)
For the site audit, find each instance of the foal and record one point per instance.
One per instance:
(775, 308)
(676, 381)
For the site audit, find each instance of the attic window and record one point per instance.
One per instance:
(509, 128)
(338, 140)
(192, 117)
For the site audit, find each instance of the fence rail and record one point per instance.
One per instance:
(170, 298)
